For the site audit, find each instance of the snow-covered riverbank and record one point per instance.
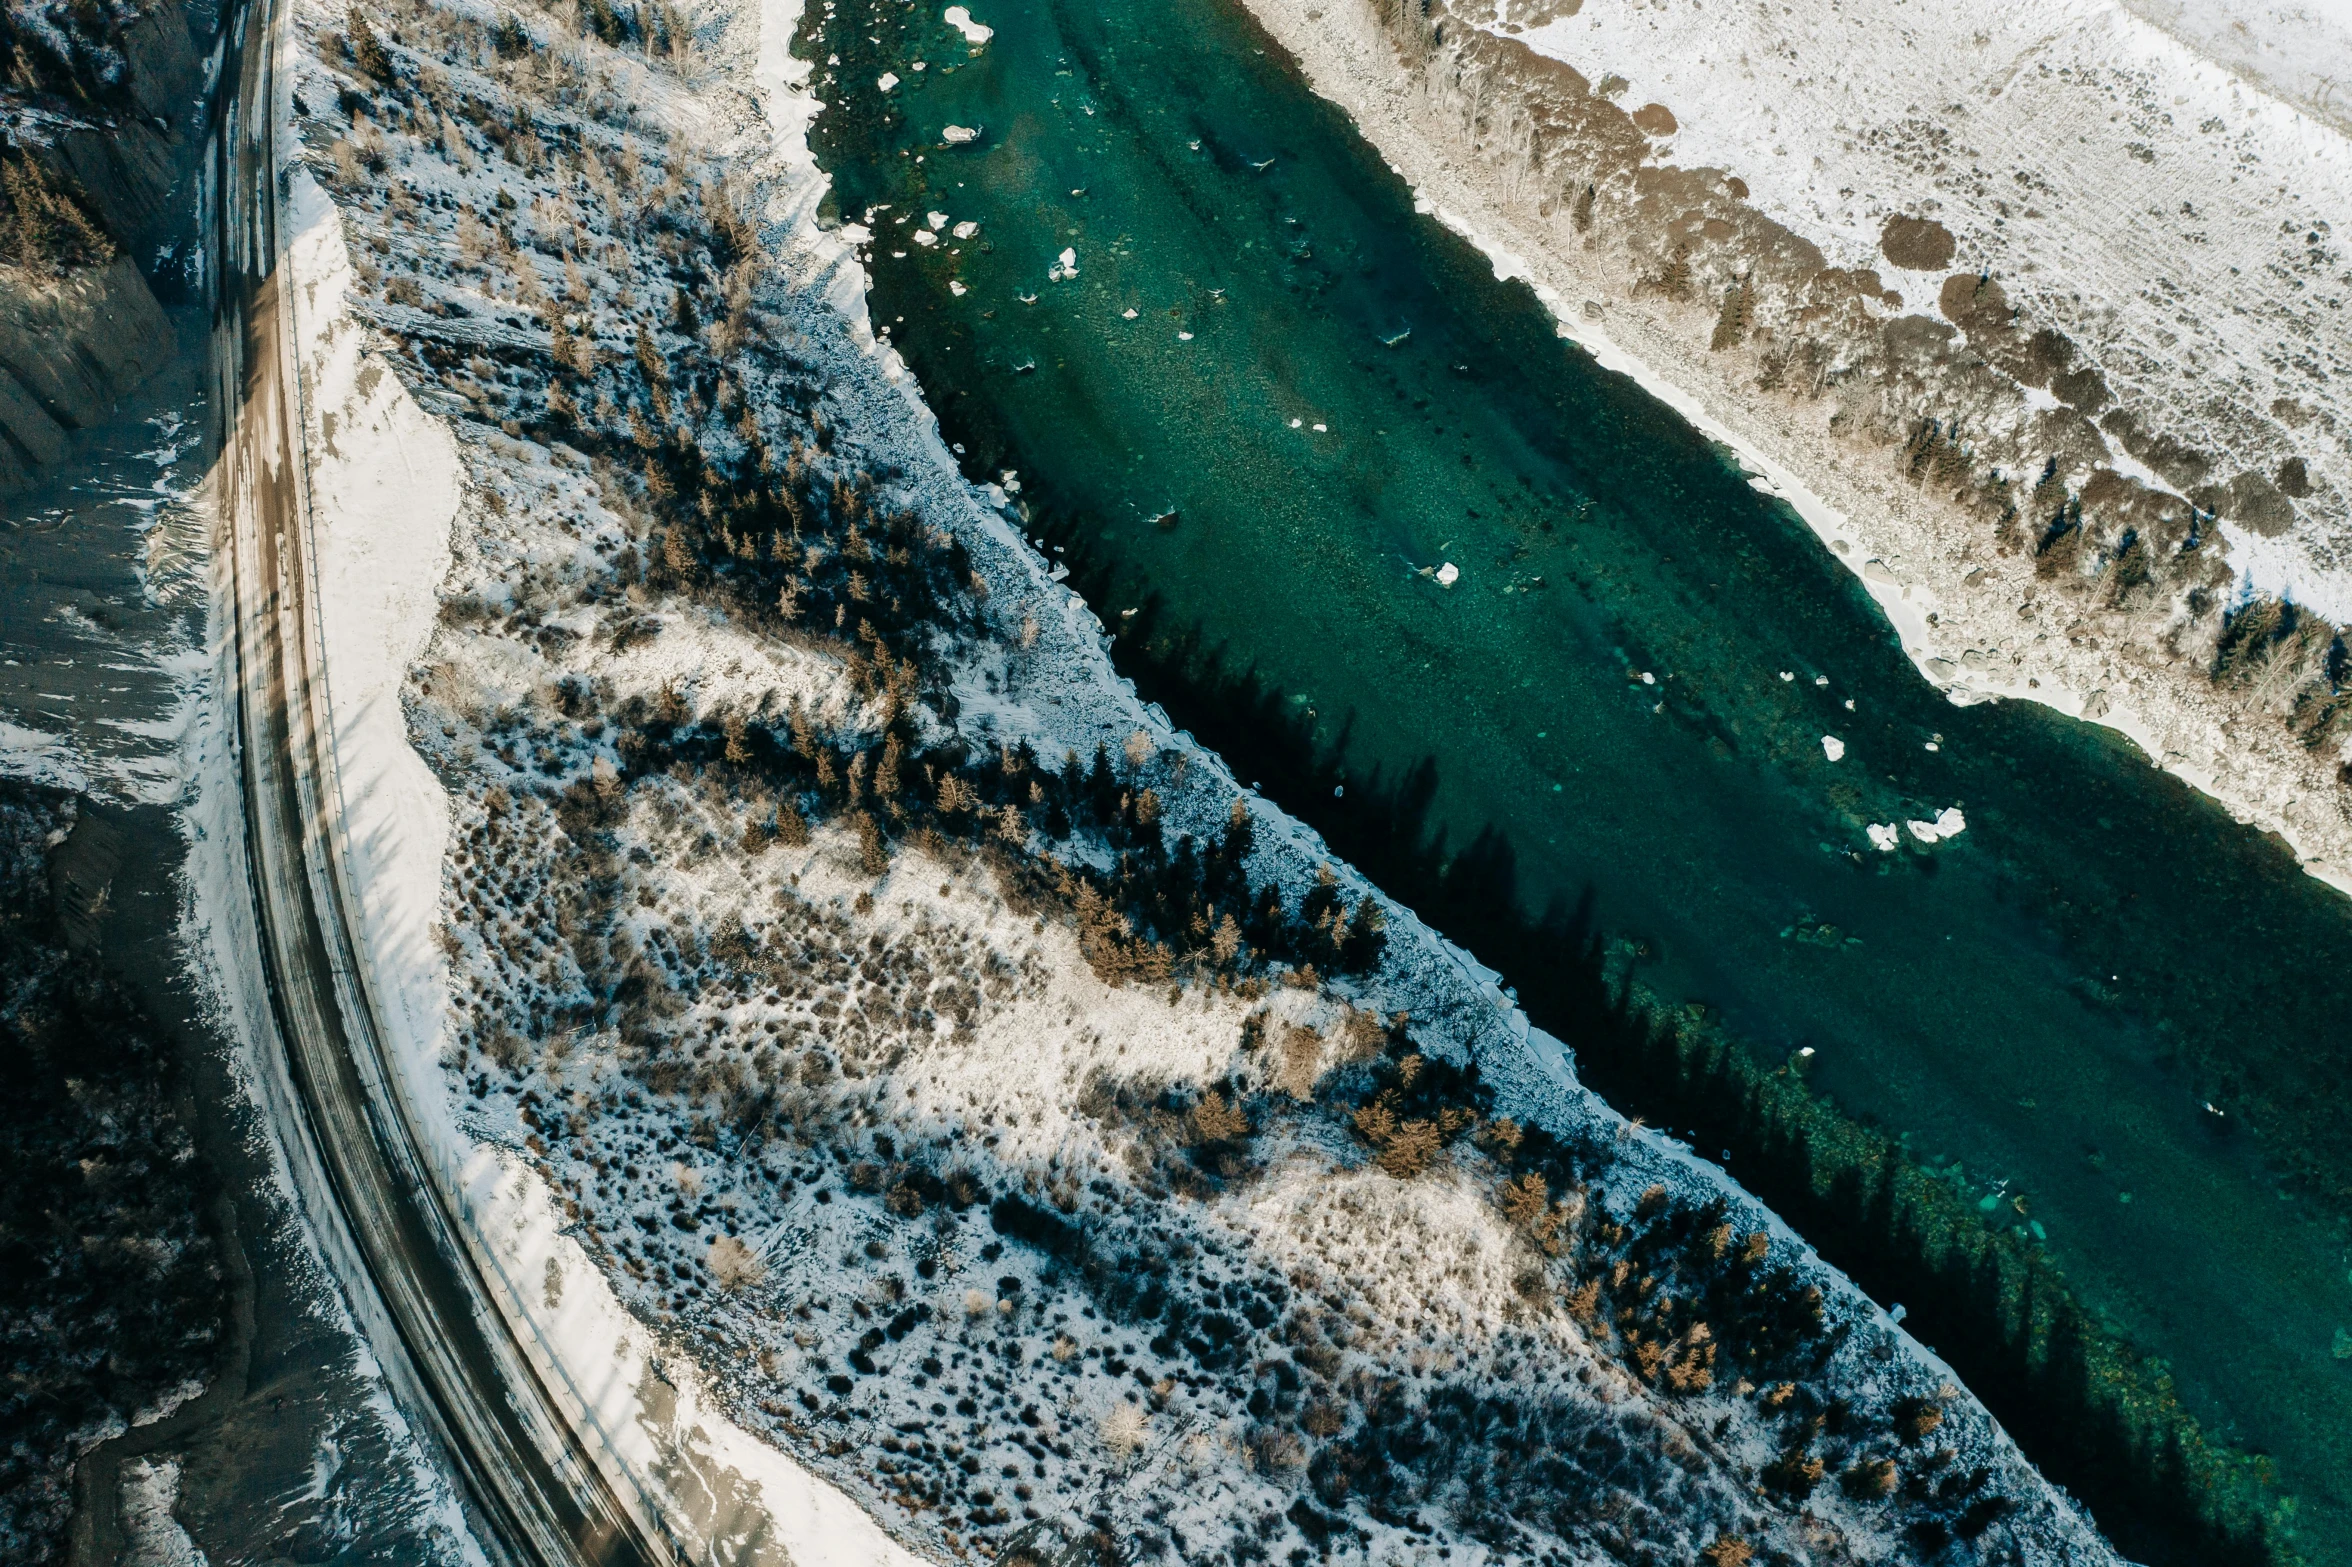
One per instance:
(1727, 245)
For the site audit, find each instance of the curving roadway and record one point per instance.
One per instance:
(541, 1488)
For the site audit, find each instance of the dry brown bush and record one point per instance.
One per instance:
(1525, 1200)
(1411, 1150)
(1215, 1121)
(1873, 1479)
(1324, 1417)
(1302, 1062)
(733, 1265)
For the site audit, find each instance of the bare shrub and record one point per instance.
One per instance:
(44, 229)
(1125, 1427)
(733, 1265)
(1302, 1062)
(1525, 1200)
(1215, 1121)
(1871, 1480)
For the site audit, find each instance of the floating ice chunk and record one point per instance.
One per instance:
(957, 135)
(1184, 337)
(937, 220)
(966, 229)
(1322, 429)
(1949, 823)
(1833, 748)
(1883, 837)
(1127, 314)
(926, 237)
(955, 288)
(1295, 423)
(856, 233)
(1649, 679)
(974, 33)
(888, 80)
(920, 65)
(1070, 260)
(1448, 574)
(1011, 480)
(1821, 680)
(1788, 674)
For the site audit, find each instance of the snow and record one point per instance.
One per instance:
(2119, 184)
(2299, 52)
(653, 1407)
(1831, 746)
(386, 485)
(384, 489)
(150, 1493)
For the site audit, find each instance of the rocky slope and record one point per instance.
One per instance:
(99, 128)
(112, 1293)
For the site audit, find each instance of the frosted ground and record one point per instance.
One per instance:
(879, 1192)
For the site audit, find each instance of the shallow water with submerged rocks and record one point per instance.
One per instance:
(1517, 623)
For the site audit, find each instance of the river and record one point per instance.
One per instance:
(1229, 365)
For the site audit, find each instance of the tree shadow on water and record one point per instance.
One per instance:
(2000, 1315)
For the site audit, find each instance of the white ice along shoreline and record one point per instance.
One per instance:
(388, 482)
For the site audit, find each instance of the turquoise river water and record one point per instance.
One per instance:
(1270, 399)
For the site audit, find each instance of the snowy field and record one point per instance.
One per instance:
(2180, 224)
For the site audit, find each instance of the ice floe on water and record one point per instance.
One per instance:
(1948, 823)
(975, 33)
(1832, 747)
